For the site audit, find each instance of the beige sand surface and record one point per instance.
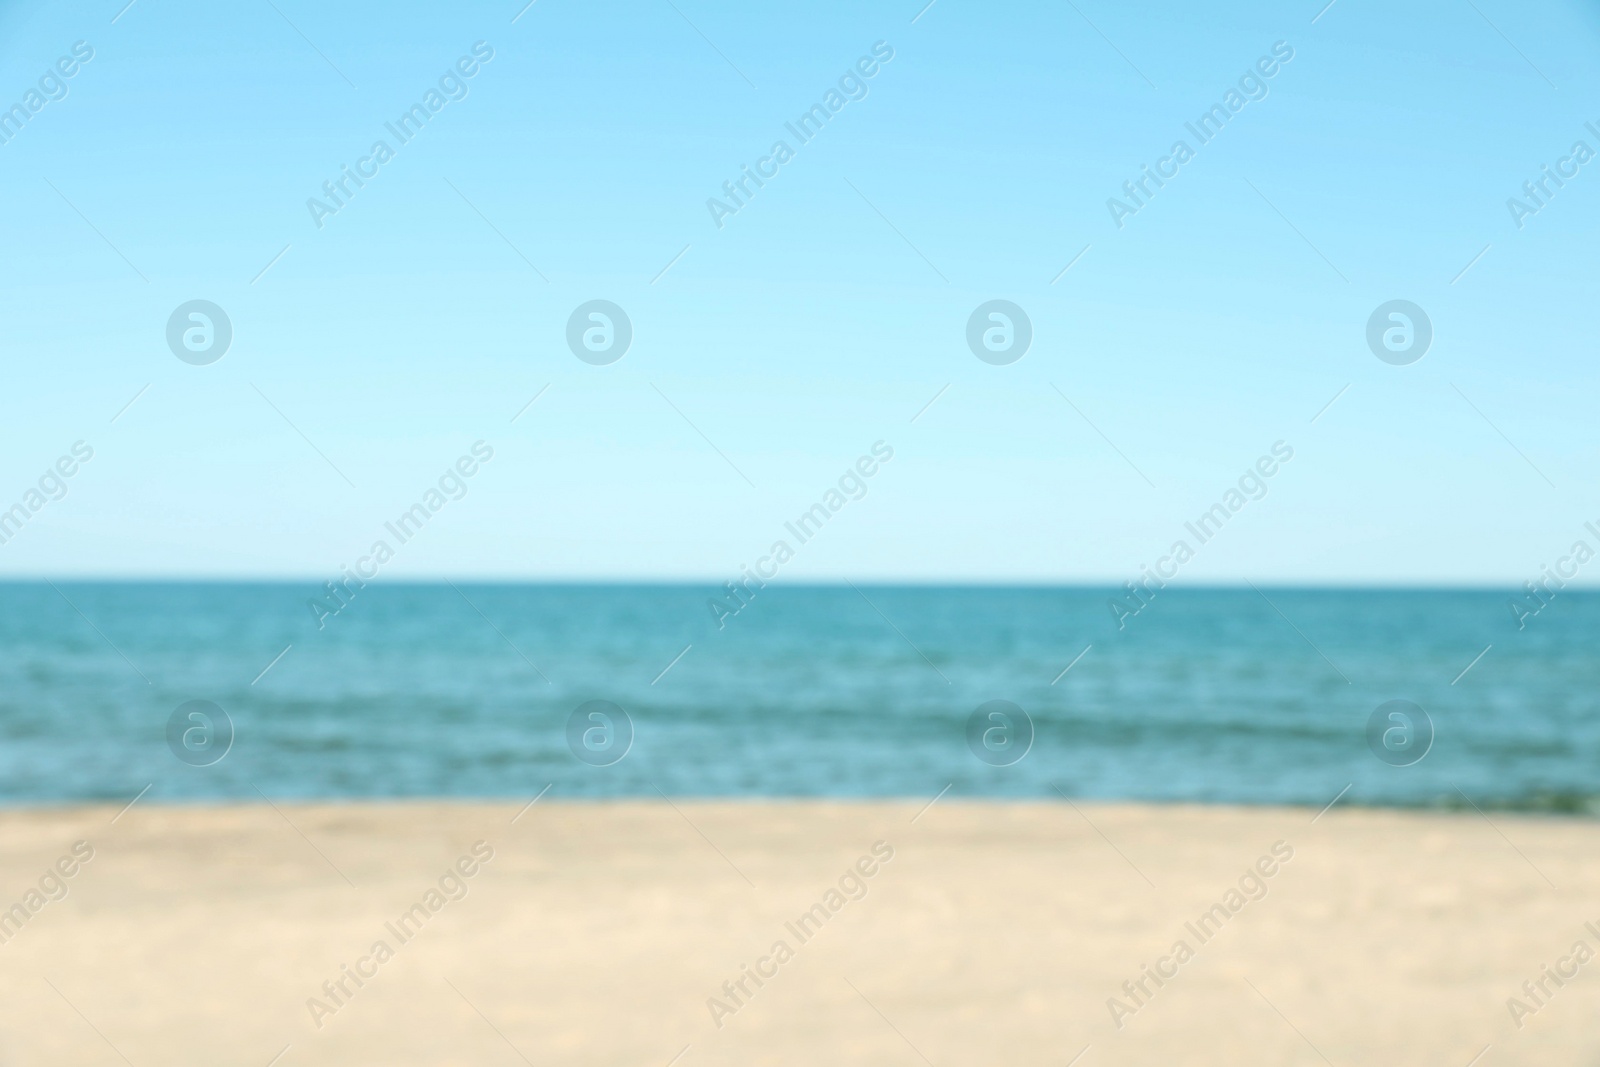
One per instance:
(597, 933)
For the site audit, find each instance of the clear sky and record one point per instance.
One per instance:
(770, 352)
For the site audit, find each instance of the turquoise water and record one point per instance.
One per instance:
(434, 690)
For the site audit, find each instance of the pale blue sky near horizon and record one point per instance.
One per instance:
(1218, 320)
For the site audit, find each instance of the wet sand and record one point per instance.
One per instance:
(634, 933)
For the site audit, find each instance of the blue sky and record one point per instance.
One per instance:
(825, 314)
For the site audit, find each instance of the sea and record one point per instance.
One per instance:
(207, 692)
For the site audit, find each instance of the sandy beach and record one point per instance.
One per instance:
(793, 933)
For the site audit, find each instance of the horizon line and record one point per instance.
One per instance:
(1221, 585)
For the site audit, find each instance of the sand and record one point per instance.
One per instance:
(600, 934)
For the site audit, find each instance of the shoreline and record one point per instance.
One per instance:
(1585, 814)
